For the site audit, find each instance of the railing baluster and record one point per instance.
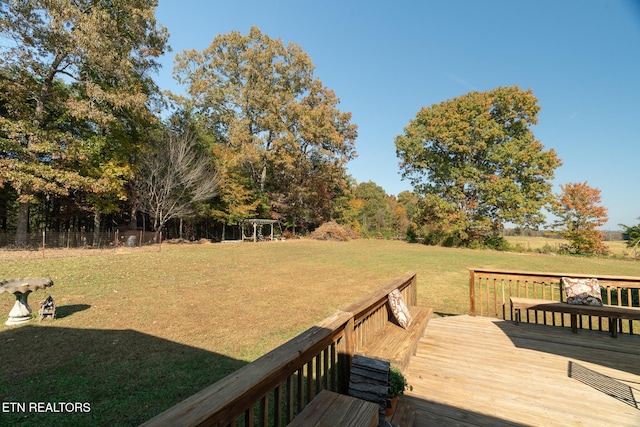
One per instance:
(325, 370)
(300, 391)
(480, 295)
(264, 411)
(333, 371)
(318, 379)
(495, 298)
(277, 406)
(248, 417)
(309, 381)
(290, 399)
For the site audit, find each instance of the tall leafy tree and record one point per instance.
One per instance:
(477, 165)
(282, 127)
(70, 69)
(579, 217)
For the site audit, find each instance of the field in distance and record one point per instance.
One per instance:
(617, 247)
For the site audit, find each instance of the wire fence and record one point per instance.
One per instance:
(77, 239)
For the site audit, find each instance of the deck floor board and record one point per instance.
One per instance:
(478, 371)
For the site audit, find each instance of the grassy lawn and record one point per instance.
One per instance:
(141, 329)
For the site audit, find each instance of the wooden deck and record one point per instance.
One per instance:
(478, 371)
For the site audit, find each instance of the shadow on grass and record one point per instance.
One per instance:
(68, 310)
(112, 377)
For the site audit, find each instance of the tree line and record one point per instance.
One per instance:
(88, 140)
(83, 141)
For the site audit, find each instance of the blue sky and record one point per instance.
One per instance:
(386, 60)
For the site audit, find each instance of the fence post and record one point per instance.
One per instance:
(43, 241)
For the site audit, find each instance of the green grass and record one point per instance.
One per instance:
(141, 329)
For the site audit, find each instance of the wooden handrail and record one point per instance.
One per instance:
(378, 298)
(371, 313)
(516, 273)
(277, 386)
(490, 290)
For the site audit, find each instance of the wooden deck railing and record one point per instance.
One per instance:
(489, 292)
(272, 390)
(371, 313)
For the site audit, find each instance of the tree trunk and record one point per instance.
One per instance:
(263, 176)
(156, 228)
(96, 228)
(23, 224)
(23, 207)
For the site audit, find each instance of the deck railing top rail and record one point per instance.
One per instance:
(552, 276)
(379, 297)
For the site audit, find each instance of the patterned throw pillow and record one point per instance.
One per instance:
(582, 291)
(399, 309)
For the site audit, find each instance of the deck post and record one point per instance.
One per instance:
(345, 356)
(414, 291)
(472, 293)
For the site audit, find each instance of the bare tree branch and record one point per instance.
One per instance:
(174, 177)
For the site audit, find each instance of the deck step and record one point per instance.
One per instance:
(404, 414)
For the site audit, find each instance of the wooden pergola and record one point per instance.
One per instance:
(257, 224)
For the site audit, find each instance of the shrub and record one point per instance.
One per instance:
(519, 247)
(333, 231)
(498, 243)
(397, 383)
(548, 249)
(412, 233)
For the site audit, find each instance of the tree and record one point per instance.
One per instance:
(69, 70)
(375, 213)
(288, 140)
(632, 236)
(400, 217)
(476, 164)
(409, 201)
(579, 216)
(175, 176)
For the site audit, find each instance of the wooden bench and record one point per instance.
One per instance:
(395, 344)
(614, 313)
(329, 409)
